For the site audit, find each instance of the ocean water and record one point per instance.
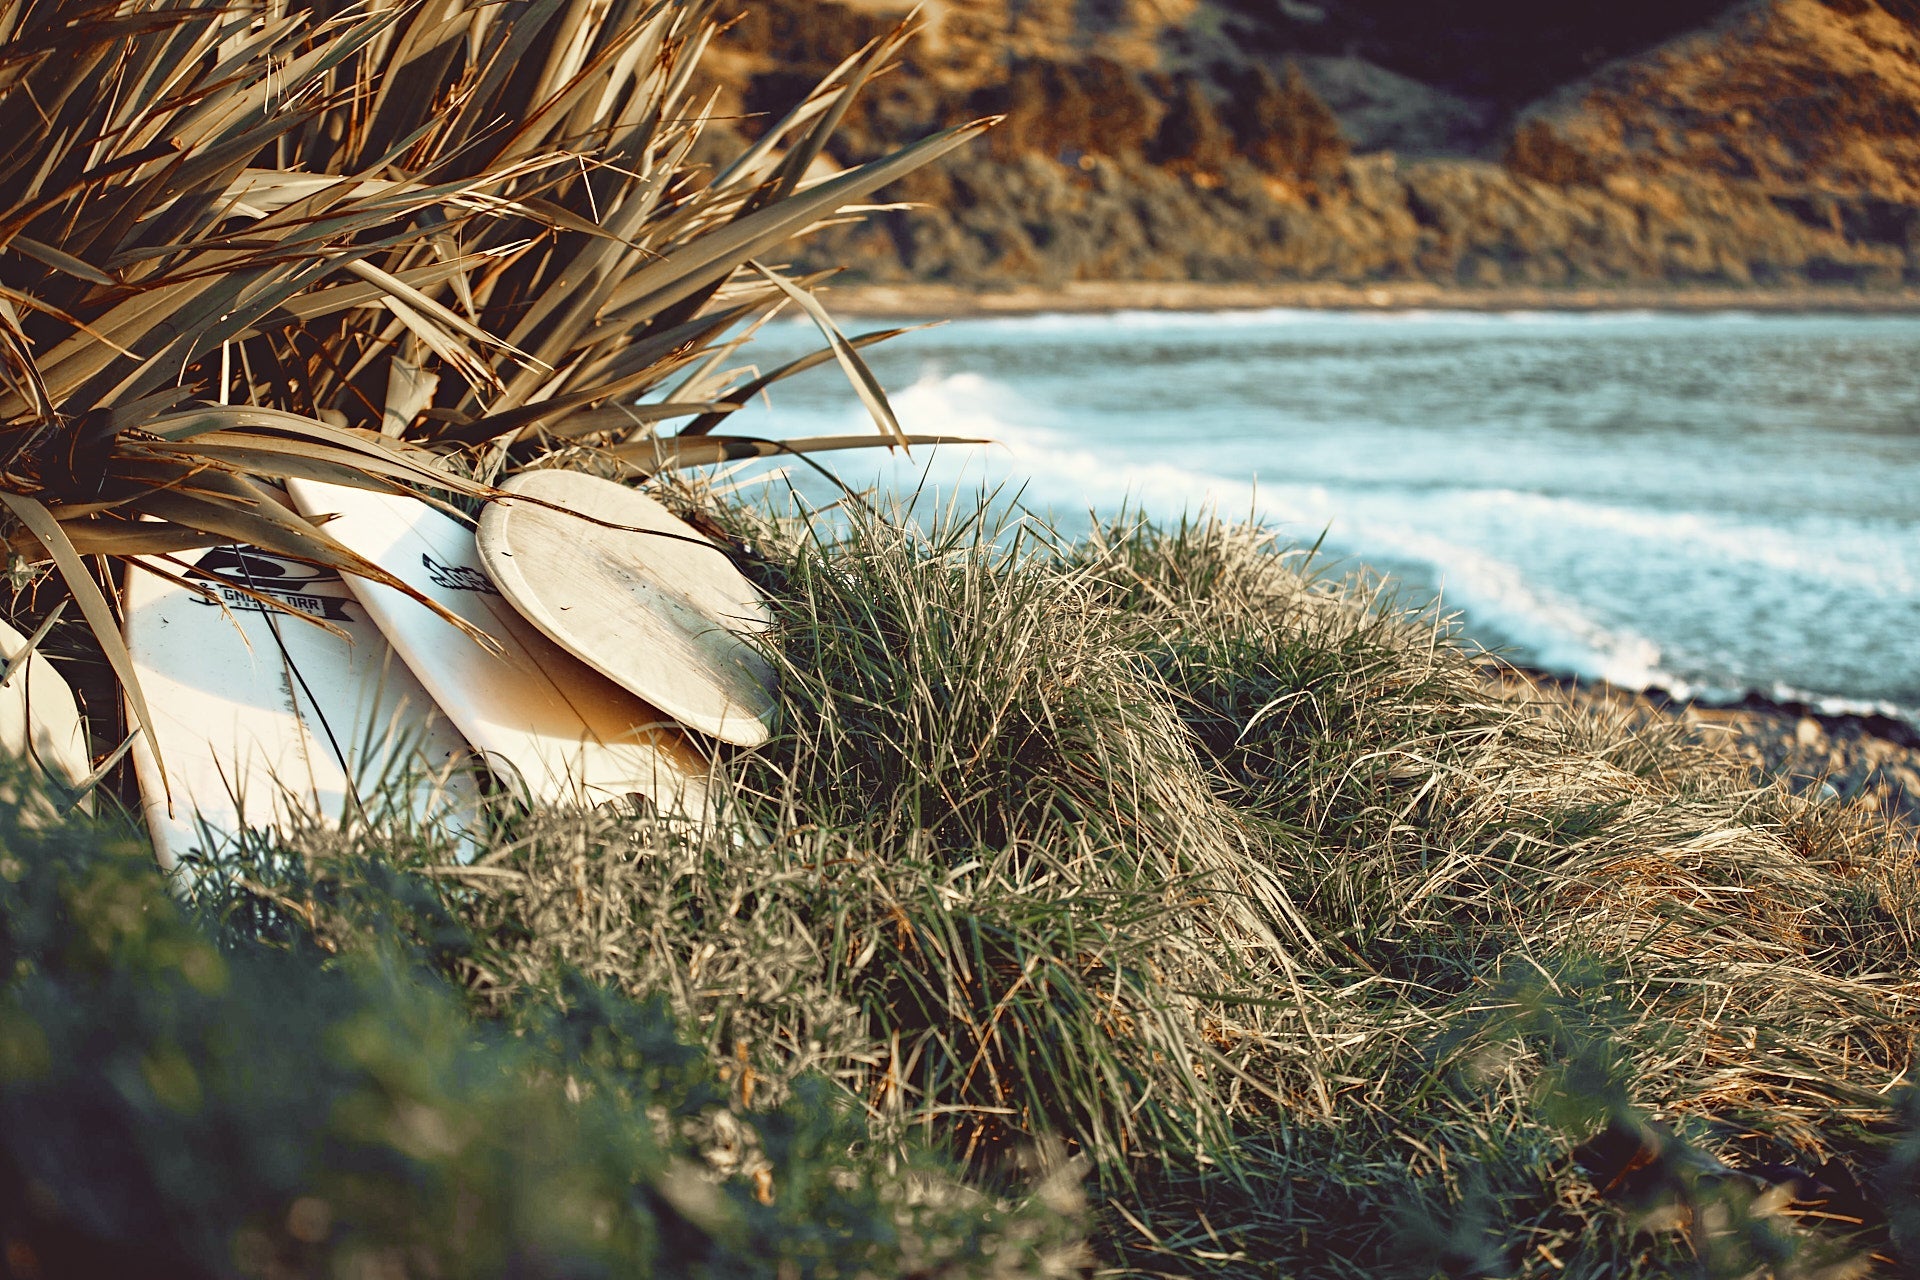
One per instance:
(1709, 504)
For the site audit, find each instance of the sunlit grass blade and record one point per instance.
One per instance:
(871, 393)
(87, 594)
(669, 452)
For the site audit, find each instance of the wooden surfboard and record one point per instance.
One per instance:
(662, 613)
(39, 721)
(557, 730)
(263, 719)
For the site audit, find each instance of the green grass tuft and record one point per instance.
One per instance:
(241, 1094)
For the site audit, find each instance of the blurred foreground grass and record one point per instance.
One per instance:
(1151, 890)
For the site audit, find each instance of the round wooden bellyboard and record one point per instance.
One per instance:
(663, 616)
(559, 731)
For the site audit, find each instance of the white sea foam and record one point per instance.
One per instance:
(1551, 629)
(1818, 549)
(1707, 532)
(1832, 705)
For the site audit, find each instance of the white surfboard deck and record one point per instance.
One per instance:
(39, 721)
(557, 730)
(265, 721)
(662, 616)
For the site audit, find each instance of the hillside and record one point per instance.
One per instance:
(1686, 144)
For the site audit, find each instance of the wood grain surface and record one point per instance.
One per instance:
(559, 731)
(655, 606)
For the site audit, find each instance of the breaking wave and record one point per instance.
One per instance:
(1711, 560)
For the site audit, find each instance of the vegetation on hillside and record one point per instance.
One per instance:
(1583, 144)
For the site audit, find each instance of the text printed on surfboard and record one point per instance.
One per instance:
(456, 577)
(242, 576)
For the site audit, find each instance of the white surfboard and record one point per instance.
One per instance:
(263, 720)
(39, 721)
(559, 731)
(663, 613)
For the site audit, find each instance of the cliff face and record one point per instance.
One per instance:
(1688, 142)
(1796, 97)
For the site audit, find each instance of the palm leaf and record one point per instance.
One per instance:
(87, 594)
(699, 451)
(238, 251)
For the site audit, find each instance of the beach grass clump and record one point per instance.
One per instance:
(1323, 952)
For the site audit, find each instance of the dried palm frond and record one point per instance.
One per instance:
(380, 244)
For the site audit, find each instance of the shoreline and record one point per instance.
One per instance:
(922, 301)
(1849, 757)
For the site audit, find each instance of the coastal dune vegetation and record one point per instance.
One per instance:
(1159, 901)
(1148, 902)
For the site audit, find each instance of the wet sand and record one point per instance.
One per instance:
(924, 301)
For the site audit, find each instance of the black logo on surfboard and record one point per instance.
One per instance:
(238, 571)
(456, 577)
